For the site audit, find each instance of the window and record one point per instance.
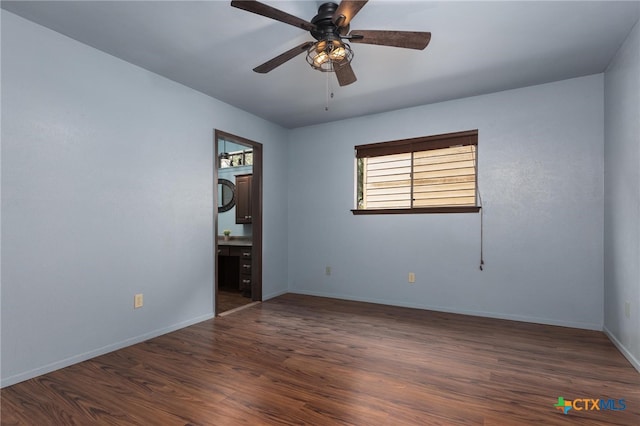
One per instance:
(431, 174)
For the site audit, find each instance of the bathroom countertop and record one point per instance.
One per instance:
(240, 242)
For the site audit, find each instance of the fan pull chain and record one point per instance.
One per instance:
(329, 90)
(326, 106)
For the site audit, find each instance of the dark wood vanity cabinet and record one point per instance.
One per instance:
(235, 266)
(245, 270)
(243, 198)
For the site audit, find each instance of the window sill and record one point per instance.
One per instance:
(420, 210)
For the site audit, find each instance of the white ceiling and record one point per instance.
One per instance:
(476, 47)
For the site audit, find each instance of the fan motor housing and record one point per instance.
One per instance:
(325, 28)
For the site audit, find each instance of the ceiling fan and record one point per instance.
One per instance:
(330, 27)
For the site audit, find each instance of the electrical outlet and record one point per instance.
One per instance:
(627, 309)
(327, 270)
(137, 301)
(412, 277)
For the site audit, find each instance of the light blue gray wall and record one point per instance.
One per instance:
(540, 174)
(107, 191)
(107, 178)
(229, 147)
(622, 198)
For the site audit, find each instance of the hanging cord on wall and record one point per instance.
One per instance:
(475, 165)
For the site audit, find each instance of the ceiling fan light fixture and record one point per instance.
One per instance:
(338, 54)
(320, 59)
(325, 55)
(329, 27)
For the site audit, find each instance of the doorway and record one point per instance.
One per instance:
(237, 194)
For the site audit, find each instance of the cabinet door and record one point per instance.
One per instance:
(243, 198)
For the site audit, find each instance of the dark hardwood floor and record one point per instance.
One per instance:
(231, 299)
(307, 360)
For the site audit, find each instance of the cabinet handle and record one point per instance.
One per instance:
(246, 281)
(246, 254)
(246, 266)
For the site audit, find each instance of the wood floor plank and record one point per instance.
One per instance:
(307, 360)
(231, 299)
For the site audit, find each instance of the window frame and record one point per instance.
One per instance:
(422, 143)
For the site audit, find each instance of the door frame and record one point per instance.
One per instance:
(256, 215)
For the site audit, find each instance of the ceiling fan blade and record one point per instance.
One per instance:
(407, 39)
(256, 7)
(348, 9)
(345, 74)
(284, 57)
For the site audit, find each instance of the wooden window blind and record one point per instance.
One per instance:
(426, 174)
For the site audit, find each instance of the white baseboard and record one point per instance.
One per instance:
(628, 355)
(276, 294)
(521, 318)
(17, 378)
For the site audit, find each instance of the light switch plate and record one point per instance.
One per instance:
(137, 301)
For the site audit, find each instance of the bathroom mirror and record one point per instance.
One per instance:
(226, 195)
